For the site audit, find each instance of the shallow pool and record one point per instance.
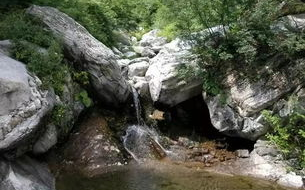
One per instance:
(160, 177)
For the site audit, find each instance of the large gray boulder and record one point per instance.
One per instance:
(266, 162)
(152, 39)
(165, 84)
(23, 105)
(91, 55)
(25, 174)
(240, 115)
(226, 120)
(138, 69)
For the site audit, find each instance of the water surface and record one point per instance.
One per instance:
(161, 177)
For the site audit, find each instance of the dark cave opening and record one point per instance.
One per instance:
(191, 119)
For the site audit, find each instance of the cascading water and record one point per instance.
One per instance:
(137, 105)
(140, 141)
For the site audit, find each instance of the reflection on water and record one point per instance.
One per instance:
(160, 177)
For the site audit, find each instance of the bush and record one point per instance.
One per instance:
(36, 47)
(84, 98)
(247, 41)
(81, 77)
(42, 53)
(58, 114)
(288, 134)
(99, 17)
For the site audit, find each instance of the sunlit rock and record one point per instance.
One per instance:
(23, 105)
(90, 54)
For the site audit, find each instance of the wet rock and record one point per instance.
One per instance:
(90, 54)
(93, 147)
(141, 85)
(25, 174)
(23, 105)
(142, 143)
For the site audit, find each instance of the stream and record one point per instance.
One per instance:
(153, 169)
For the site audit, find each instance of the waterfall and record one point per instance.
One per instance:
(140, 141)
(137, 106)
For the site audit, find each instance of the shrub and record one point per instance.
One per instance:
(288, 134)
(81, 77)
(84, 98)
(247, 41)
(58, 114)
(36, 47)
(99, 17)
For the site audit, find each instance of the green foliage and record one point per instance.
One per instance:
(81, 77)
(36, 47)
(6, 5)
(292, 45)
(17, 25)
(146, 11)
(169, 31)
(84, 98)
(99, 17)
(58, 114)
(245, 41)
(288, 134)
(292, 7)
